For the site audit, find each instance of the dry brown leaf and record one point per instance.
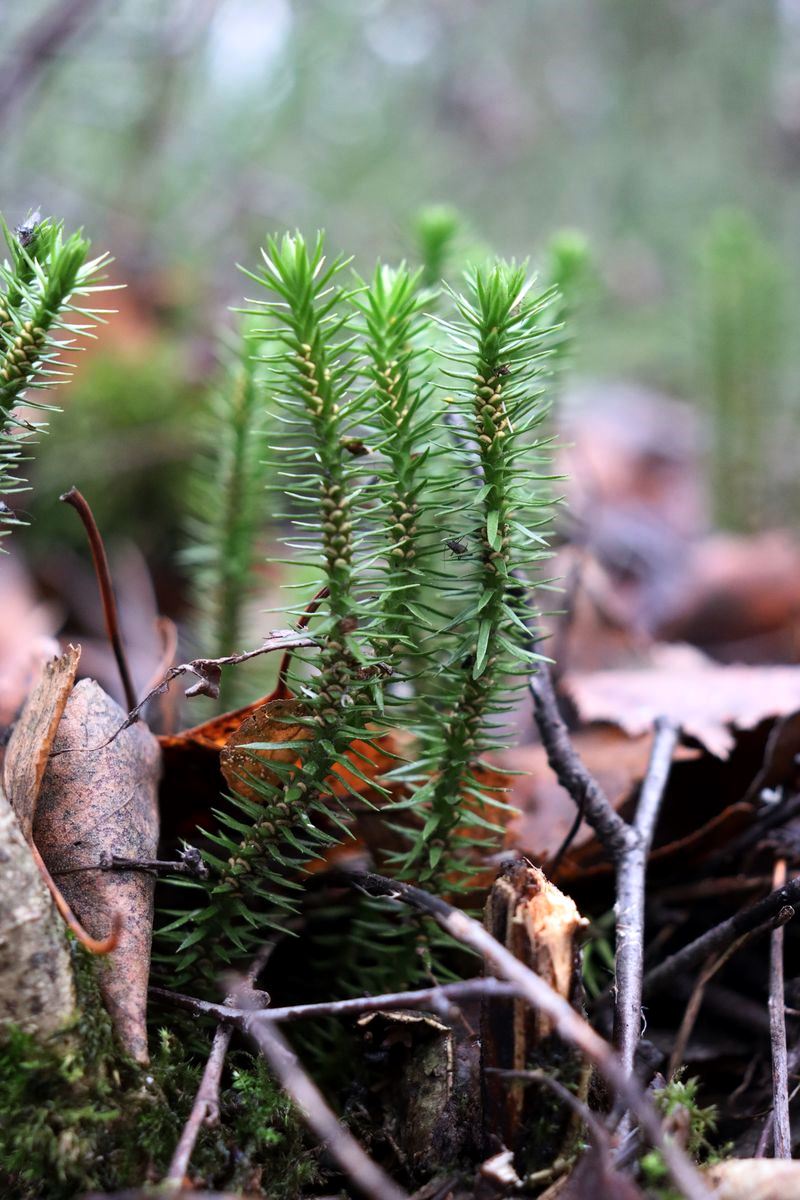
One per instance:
(32, 737)
(737, 588)
(275, 722)
(95, 803)
(25, 764)
(546, 810)
(755, 1179)
(707, 700)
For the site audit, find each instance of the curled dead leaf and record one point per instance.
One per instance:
(269, 735)
(100, 802)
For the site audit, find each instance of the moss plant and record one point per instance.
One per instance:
(77, 1115)
(743, 327)
(228, 510)
(42, 313)
(428, 545)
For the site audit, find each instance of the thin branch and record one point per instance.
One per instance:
(782, 1133)
(630, 902)
(572, 774)
(436, 998)
(282, 689)
(538, 993)
(367, 1176)
(190, 863)
(209, 670)
(101, 569)
(695, 1002)
(205, 1110)
(578, 1106)
(208, 674)
(778, 905)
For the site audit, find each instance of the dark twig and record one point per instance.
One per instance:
(282, 689)
(572, 774)
(101, 569)
(692, 1010)
(782, 1133)
(208, 674)
(368, 1177)
(630, 902)
(189, 863)
(538, 993)
(209, 670)
(627, 845)
(792, 1065)
(205, 1110)
(436, 998)
(578, 1106)
(779, 905)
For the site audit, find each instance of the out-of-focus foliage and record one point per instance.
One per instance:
(181, 132)
(743, 329)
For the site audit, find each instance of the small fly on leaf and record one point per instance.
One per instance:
(28, 228)
(456, 547)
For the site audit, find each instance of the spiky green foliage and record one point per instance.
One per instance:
(408, 637)
(318, 475)
(228, 509)
(498, 349)
(40, 321)
(397, 363)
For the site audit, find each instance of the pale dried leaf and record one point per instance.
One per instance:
(32, 737)
(755, 1179)
(99, 799)
(708, 701)
(546, 810)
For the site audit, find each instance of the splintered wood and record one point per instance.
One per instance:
(542, 928)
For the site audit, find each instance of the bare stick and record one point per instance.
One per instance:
(695, 1003)
(205, 1110)
(74, 498)
(782, 1133)
(572, 774)
(209, 670)
(435, 998)
(629, 907)
(779, 904)
(567, 1023)
(368, 1177)
(627, 845)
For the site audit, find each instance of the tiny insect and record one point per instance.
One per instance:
(503, 369)
(28, 228)
(456, 547)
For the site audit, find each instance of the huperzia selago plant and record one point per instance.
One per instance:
(411, 455)
(46, 283)
(228, 509)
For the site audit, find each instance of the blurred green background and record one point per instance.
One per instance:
(178, 133)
